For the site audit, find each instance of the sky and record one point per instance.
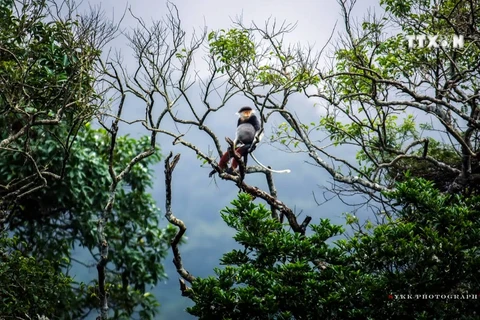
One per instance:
(197, 199)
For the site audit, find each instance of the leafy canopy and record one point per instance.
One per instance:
(30, 287)
(54, 174)
(68, 209)
(429, 248)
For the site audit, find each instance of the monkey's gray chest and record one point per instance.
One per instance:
(245, 133)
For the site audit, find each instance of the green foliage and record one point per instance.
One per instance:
(68, 209)
(430, 247)
(30, 286)
(45, 66)
(298, 77)
(380, 85)
(235, 51)
(47, 93)
(232, 48)
(275, 274)
(54, 167)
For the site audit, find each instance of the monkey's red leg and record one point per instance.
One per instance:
(223, 163)
(224, 160)
(241, 151)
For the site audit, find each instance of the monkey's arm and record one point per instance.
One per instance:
(256, 140)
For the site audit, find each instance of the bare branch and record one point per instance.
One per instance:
(177, 259)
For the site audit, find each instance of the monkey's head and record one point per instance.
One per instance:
(245, 113)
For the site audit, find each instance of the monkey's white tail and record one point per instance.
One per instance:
(271, 170)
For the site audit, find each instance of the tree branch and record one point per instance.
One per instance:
(177, 258)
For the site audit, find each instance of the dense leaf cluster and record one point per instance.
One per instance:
(55, 179)
(30, 287)
(430, 248)
(68, 210)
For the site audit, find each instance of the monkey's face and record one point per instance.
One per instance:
(246, 114)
